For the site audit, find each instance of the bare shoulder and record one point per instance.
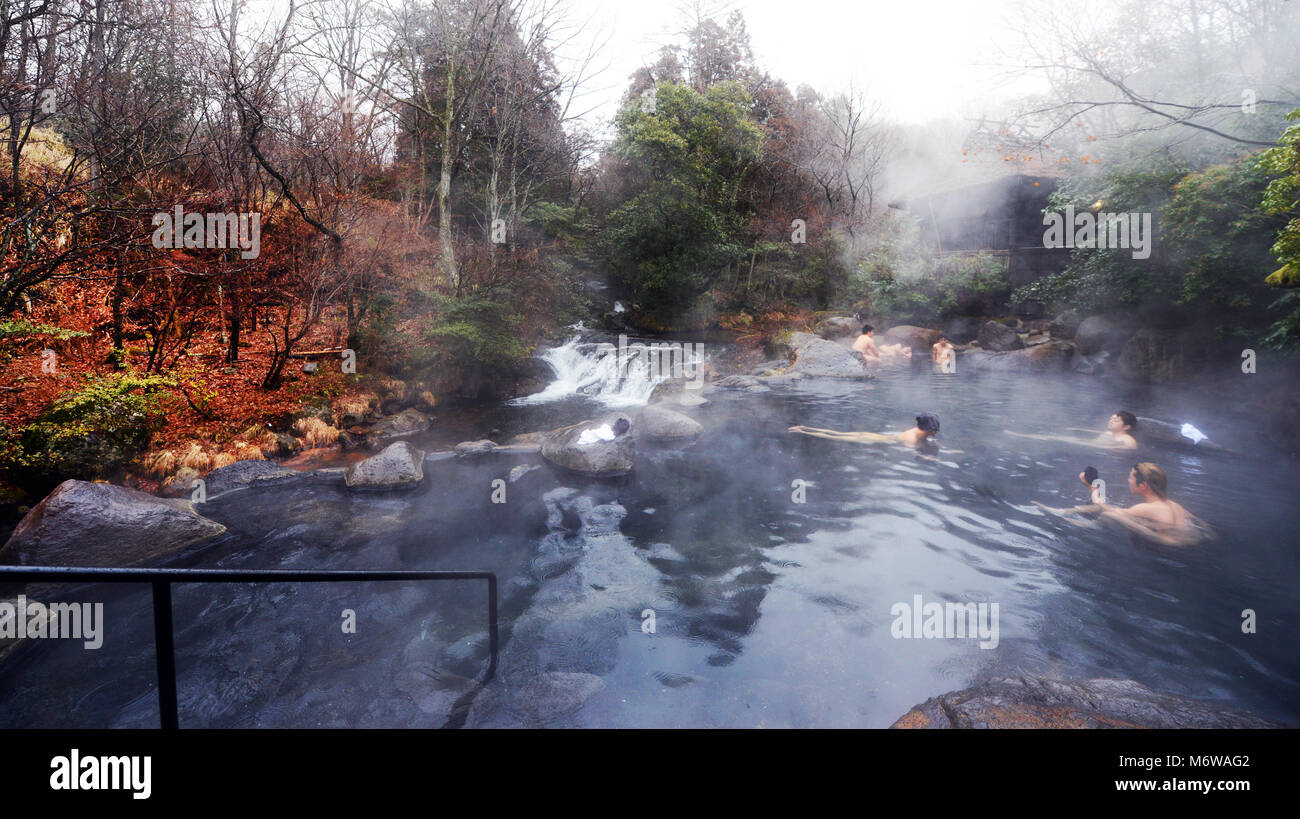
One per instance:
(1144, 510)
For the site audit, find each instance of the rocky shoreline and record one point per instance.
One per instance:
(1039, 702)
(382, 423)
(1091, 345)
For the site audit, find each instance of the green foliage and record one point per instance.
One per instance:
(88, 433)
(1282, 198)
(1285, 331)
(1106, 278)
(558, 222)
(900, 278)
(22, 328)
(1211, 246)
(811, 275)
(482, 330)
(1219, 238)
(379, 338)
(1095, 281)
(682, 225)
(929, 289)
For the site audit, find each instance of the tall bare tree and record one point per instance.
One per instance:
(444, 49)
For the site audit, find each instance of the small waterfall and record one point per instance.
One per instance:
(592, 369)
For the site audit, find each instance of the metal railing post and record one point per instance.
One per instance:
(164, 647)
(492, 626)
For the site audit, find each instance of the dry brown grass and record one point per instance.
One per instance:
(315, 432)
(195, 458)
(203, 458)
(354, 406)
(248, 452)
(390, 388)
(255, 436)
(159, 464)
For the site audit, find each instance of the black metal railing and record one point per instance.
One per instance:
(161, 581)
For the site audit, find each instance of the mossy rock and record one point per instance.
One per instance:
(1288, 275)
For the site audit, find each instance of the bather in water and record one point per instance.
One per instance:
(927, 426)
(1118, 434)
(1156, 519)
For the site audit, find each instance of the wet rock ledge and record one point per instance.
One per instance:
(1037, 702)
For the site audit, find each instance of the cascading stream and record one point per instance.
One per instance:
(614, 375)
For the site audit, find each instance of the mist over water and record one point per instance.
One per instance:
(768, 612)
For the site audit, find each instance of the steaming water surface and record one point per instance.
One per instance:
(767, 612)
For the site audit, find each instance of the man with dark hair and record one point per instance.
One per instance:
(1118, 434)
(865, 346)
(927, 426)
(1119, 430)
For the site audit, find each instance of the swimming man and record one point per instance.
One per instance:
(927, 426)
(1118, 434)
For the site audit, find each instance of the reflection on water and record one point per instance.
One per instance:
(767, 612)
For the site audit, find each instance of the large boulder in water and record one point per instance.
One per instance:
(1097, 333)
(246, 473)
(1155, 356)
(788, 345)
(655, 423)
(920, 339)
(473, 449)
(1065, 325)
(817, 357)
(1049, 356)
(999, 338)
(405, 423)
(1036, 702)
(748, 383)
(99, 524)
(599, 458)
(838, 327)
(680, 390)
(962, 330)
(399, 466)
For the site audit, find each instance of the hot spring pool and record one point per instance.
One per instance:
(765, 611)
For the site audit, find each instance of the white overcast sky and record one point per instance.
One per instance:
(924, 59)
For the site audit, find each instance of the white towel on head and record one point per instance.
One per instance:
(1192, 432)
